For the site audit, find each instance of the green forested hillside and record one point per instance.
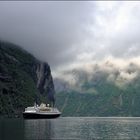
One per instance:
(104, 99)
(18, 80)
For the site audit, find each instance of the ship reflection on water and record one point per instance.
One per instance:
(38, 129)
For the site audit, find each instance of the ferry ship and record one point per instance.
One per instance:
(41, 112)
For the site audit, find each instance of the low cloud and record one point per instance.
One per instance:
(112, 70)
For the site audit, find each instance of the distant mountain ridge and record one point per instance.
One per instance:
(23, 80)
(101, 92)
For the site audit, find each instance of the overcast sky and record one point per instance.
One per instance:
(70, 33)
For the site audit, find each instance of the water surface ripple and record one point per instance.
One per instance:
(71, 128)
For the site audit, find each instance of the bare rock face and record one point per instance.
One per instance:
(44, 81)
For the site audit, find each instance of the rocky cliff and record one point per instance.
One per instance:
(23, 80)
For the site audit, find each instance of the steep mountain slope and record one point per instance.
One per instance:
(23, 80)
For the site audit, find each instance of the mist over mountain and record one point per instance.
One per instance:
(119, 72)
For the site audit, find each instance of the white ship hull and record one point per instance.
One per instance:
(41, 113)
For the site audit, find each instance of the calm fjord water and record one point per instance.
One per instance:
(71, 128)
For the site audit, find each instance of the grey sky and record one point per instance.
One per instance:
(65, 33)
